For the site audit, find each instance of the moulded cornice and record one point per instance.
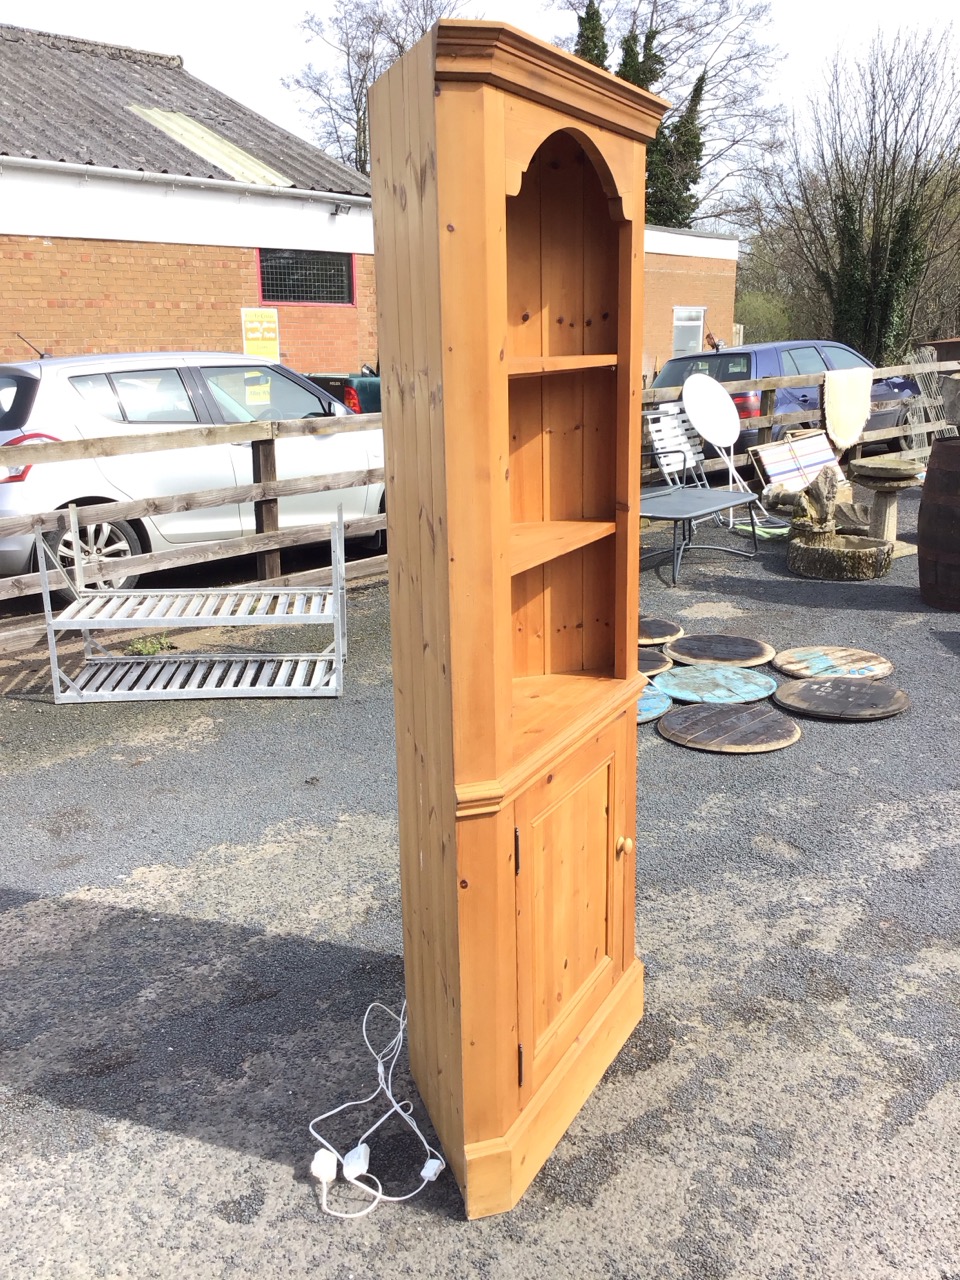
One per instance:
(496, 54)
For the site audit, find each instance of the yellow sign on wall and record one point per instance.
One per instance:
(261, 332)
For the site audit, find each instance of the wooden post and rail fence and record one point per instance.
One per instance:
(266, 491)
(768, 419)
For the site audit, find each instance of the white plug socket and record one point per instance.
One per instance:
(356, 1162)
(431, 1170)
(323, 1166)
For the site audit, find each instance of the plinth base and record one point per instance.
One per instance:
(497, 1172)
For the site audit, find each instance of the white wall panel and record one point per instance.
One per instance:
(690, 244)
(91, 207)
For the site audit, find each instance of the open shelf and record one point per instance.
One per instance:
(536, 543)
(212, 675)
(216, 607)
(529, 366)
(560, 705)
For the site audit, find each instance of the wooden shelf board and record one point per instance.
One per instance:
(550, 711)
(540, 541)
(528, 366)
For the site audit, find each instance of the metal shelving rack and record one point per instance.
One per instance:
(102, 676)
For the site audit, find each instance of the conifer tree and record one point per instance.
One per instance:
(672, 40)
(591, 38)
(629, 68)
(642, 70)
(674, 161)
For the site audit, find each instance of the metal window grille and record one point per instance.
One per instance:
(304, 275)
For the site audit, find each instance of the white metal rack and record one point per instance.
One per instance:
(102, 676)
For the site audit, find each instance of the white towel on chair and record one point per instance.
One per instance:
(846, 404)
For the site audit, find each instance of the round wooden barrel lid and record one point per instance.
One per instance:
(657, 630)
(714, 682)
(651, 705)
(831, 660)
(841, 698)
(735, 651)
(651, 662)
(736, 730)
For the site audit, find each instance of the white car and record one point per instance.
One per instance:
(79, 397)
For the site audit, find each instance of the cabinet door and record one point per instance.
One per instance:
(569, 898)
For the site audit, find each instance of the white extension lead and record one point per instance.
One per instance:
(356, 1161)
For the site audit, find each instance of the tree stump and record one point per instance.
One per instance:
(840, 558)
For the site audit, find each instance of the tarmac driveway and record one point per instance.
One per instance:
(200, 899)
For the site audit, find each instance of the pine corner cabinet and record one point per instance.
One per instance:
(508, 188)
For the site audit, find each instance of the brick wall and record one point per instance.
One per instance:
(672, 281)
(72, 296)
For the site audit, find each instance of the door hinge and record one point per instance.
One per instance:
(520, 1066)
(516, 851)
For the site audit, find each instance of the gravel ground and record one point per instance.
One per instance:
(199, 900)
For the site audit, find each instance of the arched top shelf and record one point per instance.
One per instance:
(563, 247)
(528, 127)
(591, 151)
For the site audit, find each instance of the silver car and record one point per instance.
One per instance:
(80, 397)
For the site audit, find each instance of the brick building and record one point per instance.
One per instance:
(141, 209)
(689, 282)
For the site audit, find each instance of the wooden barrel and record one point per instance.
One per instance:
(938, 527)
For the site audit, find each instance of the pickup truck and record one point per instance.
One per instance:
(360, 392)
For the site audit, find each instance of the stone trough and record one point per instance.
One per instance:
(841, 557)
(817, 550)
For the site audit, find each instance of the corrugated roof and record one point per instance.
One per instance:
(213, 147)
(63, 98)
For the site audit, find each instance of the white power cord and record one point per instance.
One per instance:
(356, 1161)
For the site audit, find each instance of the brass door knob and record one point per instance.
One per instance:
(624, 846)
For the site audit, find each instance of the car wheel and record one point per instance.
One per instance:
(110, 540)
(907, 443)
(909, 439)
(377, 542)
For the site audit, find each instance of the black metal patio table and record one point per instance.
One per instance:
(684, 506)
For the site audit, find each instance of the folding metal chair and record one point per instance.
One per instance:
(677, 448)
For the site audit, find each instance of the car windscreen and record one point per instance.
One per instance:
(246, 392)
(17, 394)
(725, 366)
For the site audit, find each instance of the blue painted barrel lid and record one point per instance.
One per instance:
(652, 704)
(715, 682)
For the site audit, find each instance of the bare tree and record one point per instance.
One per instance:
(363, 38)
(777, 296)
(867, 197)
(723, 41)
